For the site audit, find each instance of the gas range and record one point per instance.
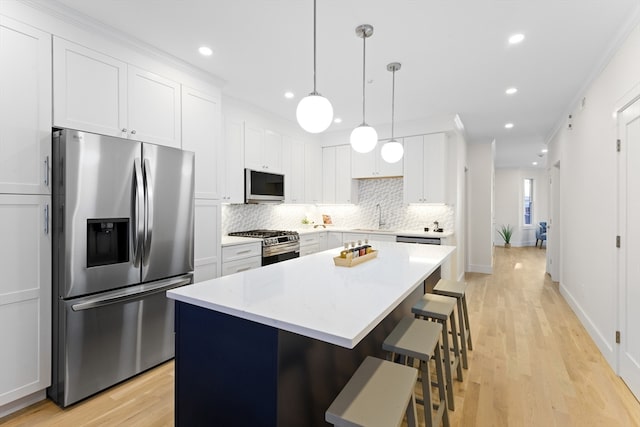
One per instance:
(277, 245)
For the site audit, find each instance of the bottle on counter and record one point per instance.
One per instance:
(355, 250)
(343, 253)
(367, 247)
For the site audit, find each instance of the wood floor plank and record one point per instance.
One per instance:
(533, 364)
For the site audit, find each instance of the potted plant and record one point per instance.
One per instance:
(506, 232)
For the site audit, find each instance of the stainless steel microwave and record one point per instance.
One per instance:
(263, 187)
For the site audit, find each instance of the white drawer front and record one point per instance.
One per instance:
(234, 252)
(309, 239)
(241, 265)
(309, 249)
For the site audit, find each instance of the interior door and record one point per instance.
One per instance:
(629, 229)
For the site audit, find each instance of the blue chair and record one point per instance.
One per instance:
(541, 233)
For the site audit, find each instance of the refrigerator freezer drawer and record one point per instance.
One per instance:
(104, 342)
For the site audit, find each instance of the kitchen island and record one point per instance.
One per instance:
(273, 346)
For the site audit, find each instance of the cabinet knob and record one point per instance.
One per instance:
(124, 130)
(133, 132)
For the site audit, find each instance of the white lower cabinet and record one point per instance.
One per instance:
(207, 240)
(334, 239)
(309, 244)
(242, 257)
(382, 237)
(25, 296)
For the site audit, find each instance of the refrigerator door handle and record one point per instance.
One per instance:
(138, 209)
(148, 212)
(129, 294)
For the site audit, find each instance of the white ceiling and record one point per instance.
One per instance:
(454, 54)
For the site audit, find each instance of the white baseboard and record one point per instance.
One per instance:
(605, 346)
(486, 269)
(23, 402)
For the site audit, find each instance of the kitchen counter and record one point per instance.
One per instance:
(412, 233)
(293, 333)
(312, 297)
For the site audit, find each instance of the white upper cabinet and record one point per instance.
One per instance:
(425, 169)
(293, 168)
(201, 134)
(25, 108)
(98, 93)
(312, 173)
(372, 165)
(231, 169)
(262, 149)
(154, 108)
(337, 185)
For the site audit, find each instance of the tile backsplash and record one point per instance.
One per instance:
(372, 192)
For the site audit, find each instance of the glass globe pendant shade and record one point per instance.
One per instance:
(314, 113)
(364, 138)
(392, 151)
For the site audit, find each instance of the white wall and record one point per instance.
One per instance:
(508, 206)
(588, 197)
(480, 158)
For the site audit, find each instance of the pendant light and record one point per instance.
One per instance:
(314, 112)
(364, 138)
(392, 150)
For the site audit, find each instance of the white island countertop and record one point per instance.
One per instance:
(312, 297)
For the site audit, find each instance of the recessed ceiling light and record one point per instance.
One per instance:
(337, 120)
(544, 150)
(205, 51)
(288, 95)
(516, 38)
(534, 163)
(508, 125)
(511, 91)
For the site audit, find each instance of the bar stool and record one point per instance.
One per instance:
(442, 310)
(378, 395)
(457, 290)
(419, 339)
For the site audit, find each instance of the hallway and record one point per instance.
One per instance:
(533, 363)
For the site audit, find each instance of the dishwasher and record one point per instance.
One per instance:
(432, 280)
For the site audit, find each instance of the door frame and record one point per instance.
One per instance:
(621, 192)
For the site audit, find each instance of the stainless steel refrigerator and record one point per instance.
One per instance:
(122, 235)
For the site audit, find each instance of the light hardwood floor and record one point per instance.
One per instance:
(533, 364)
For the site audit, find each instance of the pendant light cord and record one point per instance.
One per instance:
(314, 48)
(393, 97)
(364, 56)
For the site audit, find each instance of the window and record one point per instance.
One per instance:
(528, 201)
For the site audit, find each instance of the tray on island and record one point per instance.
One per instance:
(350, 262)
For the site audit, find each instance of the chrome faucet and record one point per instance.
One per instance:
(379, 215)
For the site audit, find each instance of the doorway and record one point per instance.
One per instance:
(629, 252)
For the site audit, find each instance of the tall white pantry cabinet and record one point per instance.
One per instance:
(25, 217)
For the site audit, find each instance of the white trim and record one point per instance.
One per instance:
(486, 269)
(600, 340)
(23, 402)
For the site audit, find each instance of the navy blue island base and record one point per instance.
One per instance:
(234, 372)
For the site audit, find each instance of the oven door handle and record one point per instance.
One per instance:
(282, 248)
(131, 293)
